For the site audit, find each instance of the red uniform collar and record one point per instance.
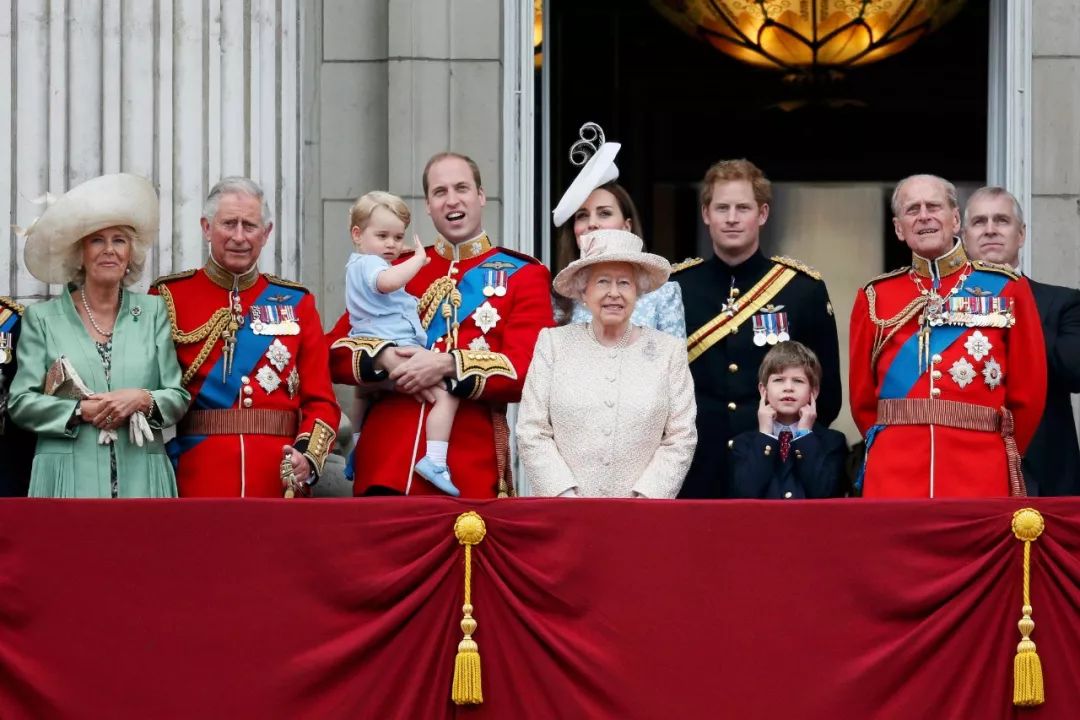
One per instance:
(227, 280)
(944, 266)
(463, 250)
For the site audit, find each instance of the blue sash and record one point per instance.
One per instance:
(219, 393)
(903, 373)
(471, 287)
(8, 324)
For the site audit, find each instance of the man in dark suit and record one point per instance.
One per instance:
(994, 230)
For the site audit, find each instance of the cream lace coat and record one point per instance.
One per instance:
(607, 421)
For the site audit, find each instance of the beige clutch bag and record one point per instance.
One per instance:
(62, 381)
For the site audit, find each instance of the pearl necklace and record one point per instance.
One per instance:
(617, 346)
(90, 315)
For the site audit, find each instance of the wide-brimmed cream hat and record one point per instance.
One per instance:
(598, 160)
(607, 246)
(102, 202)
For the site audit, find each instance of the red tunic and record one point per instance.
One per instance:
(298, 383)
(491, 361)
(993, 367)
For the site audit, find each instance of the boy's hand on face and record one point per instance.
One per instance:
(765, 415)
(808, 413)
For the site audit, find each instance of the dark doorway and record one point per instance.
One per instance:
(677, 104)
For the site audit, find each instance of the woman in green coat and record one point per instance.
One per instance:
(94, 240)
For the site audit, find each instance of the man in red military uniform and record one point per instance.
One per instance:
(482, 307)
(254, 359)
(948, 372)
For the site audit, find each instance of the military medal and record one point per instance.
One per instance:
(770, 323)
(489, 283)
(500, 283)
(495, 283)
(6, 343)
(274, 320)
(783, 335)
(759, 330)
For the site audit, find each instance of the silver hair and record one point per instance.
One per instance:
(950, 191)
(994, 191)
(239, 186)
(581, 279)
(73, 259)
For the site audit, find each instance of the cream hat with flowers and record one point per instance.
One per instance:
(102, 202)
(608, 246)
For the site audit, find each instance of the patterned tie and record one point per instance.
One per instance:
(785, 444)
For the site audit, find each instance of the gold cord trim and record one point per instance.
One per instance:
(1028, 689)
(469, 529)
(210, 331)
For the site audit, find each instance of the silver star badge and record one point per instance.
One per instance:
(486, 317)
(992, 373)
(978, 345)
(268, 379)
(278, 355)
(962, 372)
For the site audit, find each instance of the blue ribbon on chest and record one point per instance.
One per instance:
(471, 286)
(903, 372)
(8, 325)
(219, 393)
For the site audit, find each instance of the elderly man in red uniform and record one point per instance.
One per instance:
(254, 359)
(948, 373)
(482, 307)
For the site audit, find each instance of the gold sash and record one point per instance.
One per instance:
(723, 324)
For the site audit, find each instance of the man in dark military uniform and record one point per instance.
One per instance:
(739, 304)
(16, 445)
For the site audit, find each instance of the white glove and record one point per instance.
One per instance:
(139, 431)
(106, 437)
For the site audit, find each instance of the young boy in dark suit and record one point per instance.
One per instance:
(790, 455)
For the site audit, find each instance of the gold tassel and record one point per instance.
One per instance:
(1027, 526)
(470, 530)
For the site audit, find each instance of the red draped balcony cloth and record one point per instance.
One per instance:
(586, 609)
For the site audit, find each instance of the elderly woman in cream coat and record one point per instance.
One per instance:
(608, 407)
(102, 440)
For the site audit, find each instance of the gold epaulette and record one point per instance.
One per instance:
(883, 276)
(7, 302)
(796, 265)
(687, 263)
(282, 281)
(996, 267)
(175, 276)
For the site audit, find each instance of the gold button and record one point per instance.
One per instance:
(731, 406)
(936, 359)
(245, 379)
(248, 390)
(734, 330)
(730, 444)
(798, 454)
(787, 495)
(935, 392)
(936, 374)
(733, 368)
(768, 449)
(247, 402)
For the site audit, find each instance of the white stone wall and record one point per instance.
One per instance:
(180, 91)
(392, 83)
(1054, 225)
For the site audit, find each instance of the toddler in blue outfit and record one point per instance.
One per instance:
(380, 307)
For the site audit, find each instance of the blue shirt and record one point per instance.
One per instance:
(389, 316)
(661, 309)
